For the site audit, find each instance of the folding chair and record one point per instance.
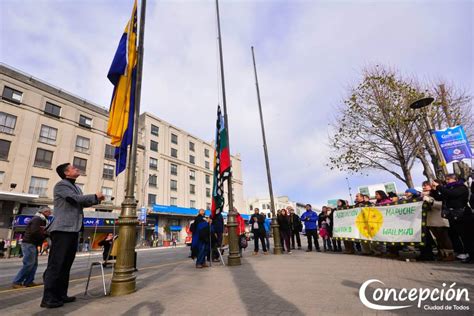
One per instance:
(112, 251)
(221, 250)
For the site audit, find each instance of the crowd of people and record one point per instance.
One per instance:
(448, 233)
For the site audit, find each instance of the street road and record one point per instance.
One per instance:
(147, 257)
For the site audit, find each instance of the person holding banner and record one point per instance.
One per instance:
(437, 225)
(455, 196)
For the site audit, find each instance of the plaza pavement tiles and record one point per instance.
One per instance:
(297, 284)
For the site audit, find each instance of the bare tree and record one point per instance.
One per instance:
(375, 129)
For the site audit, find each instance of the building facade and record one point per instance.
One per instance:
(42, 126)
(263, 204)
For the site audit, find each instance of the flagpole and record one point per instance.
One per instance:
(123, 280)
(276, 228)
(234, 256)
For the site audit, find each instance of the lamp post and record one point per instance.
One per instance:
(123, 279)
(144, 206)
(422, 104)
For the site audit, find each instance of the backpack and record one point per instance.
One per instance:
(243, 243)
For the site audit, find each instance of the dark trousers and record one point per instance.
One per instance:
(336, 245)
(312, 233)
(257, 235)
(465, 229)
(61, 256)
(285, 236)
(327, 243)
(295, 233)
(455, 238)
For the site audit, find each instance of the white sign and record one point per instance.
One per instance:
(391, 223)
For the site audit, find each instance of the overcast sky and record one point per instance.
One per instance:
(308, 54)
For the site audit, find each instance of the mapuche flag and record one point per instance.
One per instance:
(221, 164)
(122, 74)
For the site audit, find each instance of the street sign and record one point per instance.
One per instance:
(453, 143)
(142, 217)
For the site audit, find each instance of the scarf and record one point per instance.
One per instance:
(44, 218)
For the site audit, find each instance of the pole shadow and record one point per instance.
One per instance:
(257, 296)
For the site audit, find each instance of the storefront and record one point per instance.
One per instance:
(96, 227)
(173, 221)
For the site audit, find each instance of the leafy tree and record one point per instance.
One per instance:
(375, 129)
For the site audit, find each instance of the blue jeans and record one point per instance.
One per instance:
(26, 275)
(203, 251)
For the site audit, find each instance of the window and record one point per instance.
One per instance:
(191, 159)
(191, 146)
(82, 144)
(206, 153)
(153, 163)
(2, 176)
(109, 152)
(107, 192)
(48, 134)
(174, 169)
(52, 109)
(192, 188)
(80, 164)
(152, 180)
(208, 206)
(108, 172)
(208, 179)
(208, 192)
(7, 123)
(38, 186)
(153, 145)
(206, 165)
(192, 204)
(43, 158)
(85, 121)
(12, 94)
(173, 201)
(151, 199)
(154, 130)
(174, 152)
(4, 149)
(192, 175)
(174, 185)
(174, 139)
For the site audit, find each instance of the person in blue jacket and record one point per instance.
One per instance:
(205, 232)
(310, 220)
(268, 230)
(195, 237)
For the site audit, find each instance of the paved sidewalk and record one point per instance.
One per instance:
(297, 284)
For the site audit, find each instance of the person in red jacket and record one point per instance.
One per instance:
(241, 232)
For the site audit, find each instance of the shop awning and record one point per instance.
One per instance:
(175, 228)
(183, 211)
(16, 196)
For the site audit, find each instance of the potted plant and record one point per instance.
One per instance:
(167, 230)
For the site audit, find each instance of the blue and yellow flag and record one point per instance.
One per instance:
(122, 74)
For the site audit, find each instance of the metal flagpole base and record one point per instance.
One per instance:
(234, 255)
(277, 249)
(123, 280)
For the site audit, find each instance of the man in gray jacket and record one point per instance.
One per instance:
(64, 231)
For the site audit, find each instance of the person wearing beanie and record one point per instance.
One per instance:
(35, 234)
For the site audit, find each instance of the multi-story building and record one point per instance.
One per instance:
(263, 204)
(42, 126)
